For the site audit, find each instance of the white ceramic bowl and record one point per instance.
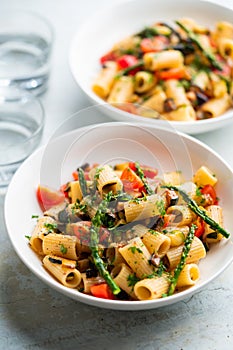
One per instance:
(113, 142)
(101, 31)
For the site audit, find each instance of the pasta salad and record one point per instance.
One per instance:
(181, 72)
(124, 233)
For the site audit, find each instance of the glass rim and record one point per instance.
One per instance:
(33, 14)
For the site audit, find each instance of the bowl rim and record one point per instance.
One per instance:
(91, 300)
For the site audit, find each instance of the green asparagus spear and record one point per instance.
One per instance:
(195, 40)
(96, 223)
(142, 177)
(180, 266)
(129, 69)
(82, 182)
(195, 208)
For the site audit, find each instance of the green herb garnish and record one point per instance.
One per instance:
(63, 249)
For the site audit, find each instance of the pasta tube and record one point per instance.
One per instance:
(163, 60)
(107, 180)
(75, 191)
(138, 210)
(223, 29)
(137, 257)
(201, 80)
(39, 232)
(60, 245)
(196, 253)
(121, 274)
(182, 215)
(176, 91)
(183, 113)
(104, 81)
(157, 243)
(204, 176)
(113, 255)
(151, 288)
(64, 270)
(89, 282)
(215, 213)
(143, 81)
(122, 90)
(156, 101)
(216, 106)
(188, 276)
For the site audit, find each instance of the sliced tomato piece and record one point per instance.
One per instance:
(200, 228)
(102, 290)
(131, 181)
(48, 198)
(209, 190)
(126, 61)
(147, 170)
(109, 56)
(155, 44)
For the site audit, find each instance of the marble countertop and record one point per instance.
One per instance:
(33, 316)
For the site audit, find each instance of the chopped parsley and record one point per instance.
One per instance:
(28, 237)
(35, 216)
(97, 173)
(50, 226)
(63, 249)
(153, 232)
(161, 208)
(135, 249)
(132, 280)
(198, 191)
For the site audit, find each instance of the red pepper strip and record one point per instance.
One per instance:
(109, 56)
(102, 291)
(126, 61)
(200, 228)
(173, 73)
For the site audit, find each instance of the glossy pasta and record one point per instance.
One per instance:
(122, 232)
(180, 73)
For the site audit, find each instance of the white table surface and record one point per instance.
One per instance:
(33, 316)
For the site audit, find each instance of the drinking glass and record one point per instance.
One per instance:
(25, 49)
(21, 126)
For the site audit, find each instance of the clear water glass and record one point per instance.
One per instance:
(21, 127)
(25, 49)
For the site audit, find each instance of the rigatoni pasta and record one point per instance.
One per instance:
(169, 70)
(128, 232)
